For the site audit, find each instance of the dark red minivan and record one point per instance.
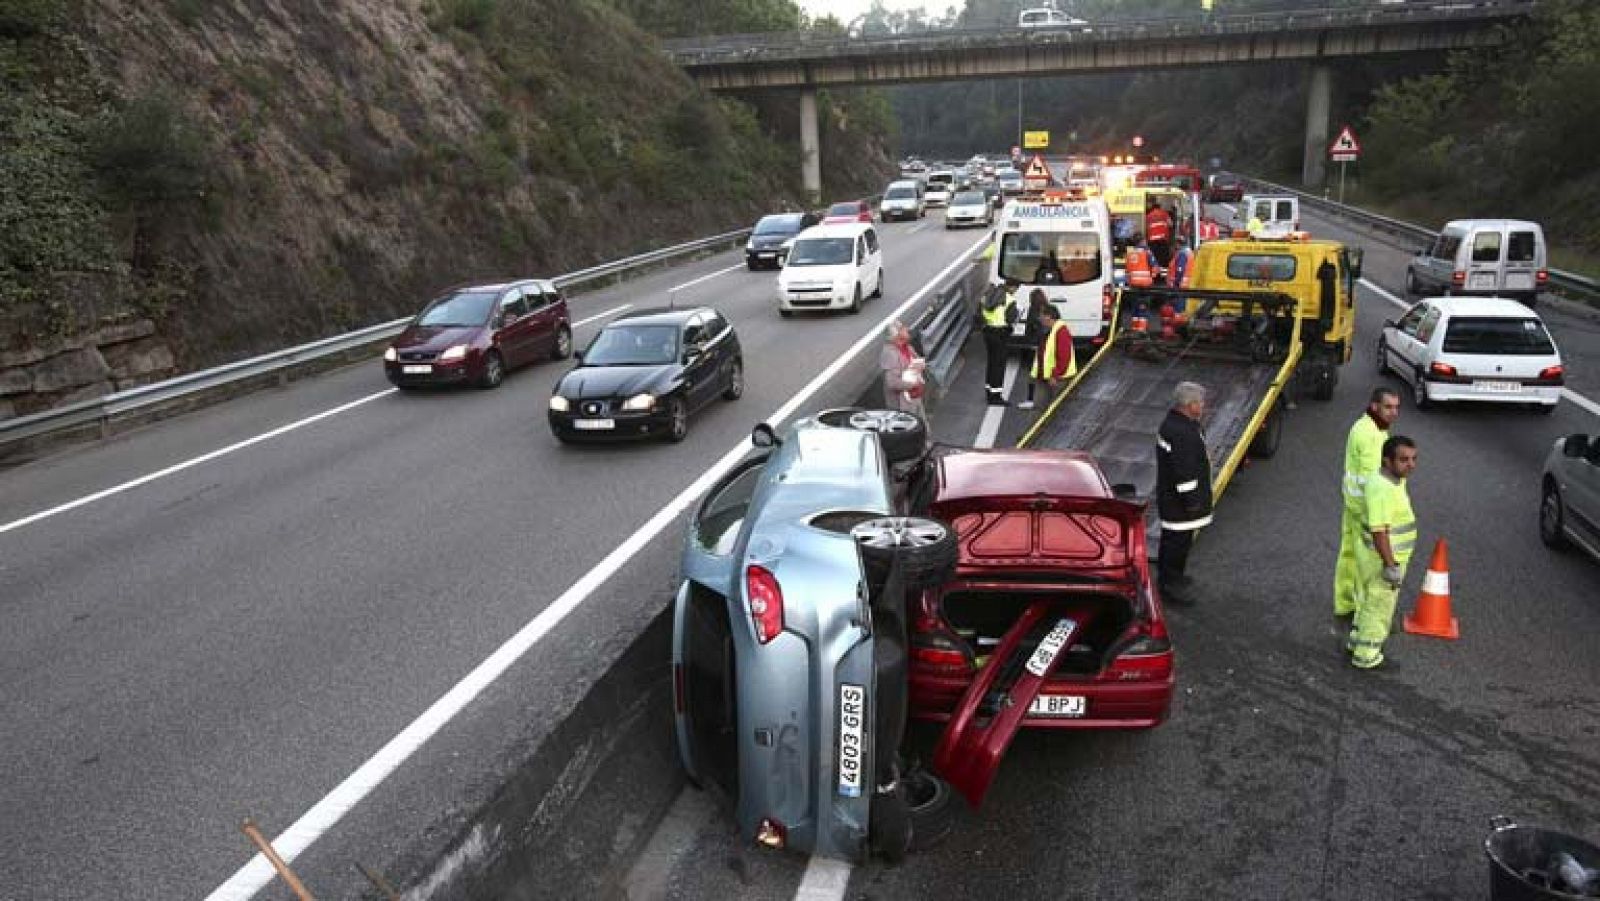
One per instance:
(475, 335)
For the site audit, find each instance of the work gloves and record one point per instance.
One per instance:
(1393, 575)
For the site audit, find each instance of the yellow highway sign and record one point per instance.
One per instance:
(1036, 140)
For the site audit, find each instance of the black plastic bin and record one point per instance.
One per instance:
(1519, 857)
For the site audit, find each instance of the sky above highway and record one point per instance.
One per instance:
(845, 10)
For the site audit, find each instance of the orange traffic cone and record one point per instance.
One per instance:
(1432, 616)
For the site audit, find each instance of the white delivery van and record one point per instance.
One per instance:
(902, 200)
(831, 267)
(1064, 248)
(1279, 214)
(1482, 257)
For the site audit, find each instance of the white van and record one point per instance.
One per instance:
(831, 267)
(1064, 248)
(1046, 17)
(1483, 257)
(902, 200)
(1279, 214)
(941, 184)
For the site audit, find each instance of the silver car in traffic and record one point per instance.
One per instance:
(1569, 507)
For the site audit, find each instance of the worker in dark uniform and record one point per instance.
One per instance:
(998, 311)
(1183, 488)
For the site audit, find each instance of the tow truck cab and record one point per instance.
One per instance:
(1320, 274)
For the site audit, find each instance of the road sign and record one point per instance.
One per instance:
(1037, 176)
(1345, 148)
(1036, 140)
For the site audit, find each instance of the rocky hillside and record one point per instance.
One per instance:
(192, 181)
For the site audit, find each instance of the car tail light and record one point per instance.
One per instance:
(1147, 658)
(1543, 276)
(939, 650)
(766, 602)
(1443, 370)
(1552, 374)
(1458, 277)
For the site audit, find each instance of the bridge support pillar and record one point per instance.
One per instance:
(1319, 101)
(810, 149)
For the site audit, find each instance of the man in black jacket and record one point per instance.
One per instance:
(1183, 487)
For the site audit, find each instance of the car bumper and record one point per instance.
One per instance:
(1547, 395)
(1107, 705)
(764, 256)
(966, 220)
(455, 373)
(622, 426)
(832, 299)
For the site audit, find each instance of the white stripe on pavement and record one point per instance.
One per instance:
(326, 813)
(611, 312)
(989, 429)
(705, 278)
(190, 463)
(1566, 393)
(826, 879)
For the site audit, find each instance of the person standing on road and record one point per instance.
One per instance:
(1182, 258)
(1390, 536)
(1158, 231)
(904, 372)
(1363, 457)
(1055, 361)
(1137, 266)
(999, 311)
(1029, 326)
(1183, 488)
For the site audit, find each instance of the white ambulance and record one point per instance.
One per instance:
(1060, 244)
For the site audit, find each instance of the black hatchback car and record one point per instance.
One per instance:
(765, 246)
(645, 373)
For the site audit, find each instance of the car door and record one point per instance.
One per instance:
(544, 321)
(724, 347)
(1485, 253)
(875, 255)
(700, 382)
(1583, 491)
(511, 328)
(1401, 340)
(1522, 261)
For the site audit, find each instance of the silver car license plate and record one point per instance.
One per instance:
(1496, 387)
(417, 370)
(594, 425)
(852, 757)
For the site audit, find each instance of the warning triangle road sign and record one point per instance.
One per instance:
(1345, 145)
(1037, 175)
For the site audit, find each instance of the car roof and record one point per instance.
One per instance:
(544, 284)
(987, 473)
(659, 316)
(834, 230)
(1494, 307)
(1498, 224)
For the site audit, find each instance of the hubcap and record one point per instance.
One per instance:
(737, 382)
(680, 419)
(1552, 514)
(883, 421)
(494, 369)
(898, 531)
(564, 342)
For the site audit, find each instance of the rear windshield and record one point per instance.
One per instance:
(467, 308)
(1492, 335)
(1051, 258)
(1521, 247)
(1486, 247)
(941, 178)
(784, 224)
(1261, 267)
(822, 252)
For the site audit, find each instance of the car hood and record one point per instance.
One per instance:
(597, 382)
(435, 337)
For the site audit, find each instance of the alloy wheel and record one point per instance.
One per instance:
(883, 421)
(898, 531)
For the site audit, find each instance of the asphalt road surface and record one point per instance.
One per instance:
(1283, 773)
(237, 637)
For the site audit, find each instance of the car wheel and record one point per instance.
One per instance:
(878, 291)
(494, 371)
(1544, 409)
(563, 347)
(855, 301)
(677, 420)
(1552, 517)
(928, 799)
(1383, 357)
(902, 435)
(1419, 391)
(751, 265)
(889, 829)
(924, 550)
(735, 388)
(785, 313)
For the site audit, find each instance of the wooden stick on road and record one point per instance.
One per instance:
(288, 876)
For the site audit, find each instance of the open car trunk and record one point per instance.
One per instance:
(981, 616)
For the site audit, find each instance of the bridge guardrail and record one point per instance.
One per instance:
(103, 411)
(1572, 282)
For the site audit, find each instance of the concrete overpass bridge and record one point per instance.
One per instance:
(806, 61)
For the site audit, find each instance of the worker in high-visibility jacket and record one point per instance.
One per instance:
(1055, 361)
(998, 310)
(1138, 265)
(1390, 537)
(1363, 455)
(1158, 231)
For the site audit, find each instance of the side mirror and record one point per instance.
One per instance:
(763, 436)
(506, 318)
(1575, 446)
(1124, 491)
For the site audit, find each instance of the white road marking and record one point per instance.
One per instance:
(705, 278)
(1566, 393)
(326, 813)
(989, 429)
(190, 463)
(826, 879)
(611, 312)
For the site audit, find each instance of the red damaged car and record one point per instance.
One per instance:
(1052, 619)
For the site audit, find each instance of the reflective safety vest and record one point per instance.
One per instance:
(1046, 367)
(995, 317)
(1363, 455)
(1387, 505)
(1254, 226)
(1137, 265)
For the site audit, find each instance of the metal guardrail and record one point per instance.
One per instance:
(743, 47)
(1569, 281)
(102, 411)
(943, 328)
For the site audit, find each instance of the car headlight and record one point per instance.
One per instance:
(559, 404)
(455, 352)
(391, 354)
(639, 402)
(750, 245)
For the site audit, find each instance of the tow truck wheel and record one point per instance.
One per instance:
(1326, 377)
(1267, 439)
